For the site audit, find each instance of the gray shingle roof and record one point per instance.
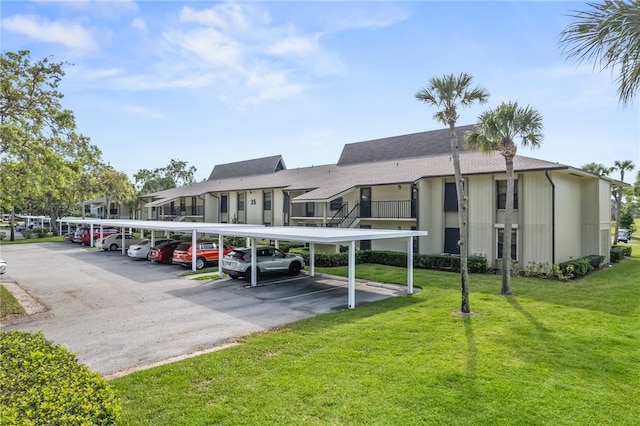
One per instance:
(330, 181)
(257, 166)
(423, 144)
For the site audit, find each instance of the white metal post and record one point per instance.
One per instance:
(220, 254)
(194, 238)
(352, 275)
(410, 265)
(254, 268)
(312, 259)
(123, 240)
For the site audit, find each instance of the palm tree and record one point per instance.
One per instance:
(448, 93)
(622, 166)
(609, 36)
(597, 169)
(496, 131)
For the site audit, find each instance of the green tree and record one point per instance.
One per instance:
(42, 155)
(597, 169)
(608, 35)
(622, 167)
(114, 186)
(498, 130)
(173, 175)
(448, 93)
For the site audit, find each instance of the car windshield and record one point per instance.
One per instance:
(183, 246)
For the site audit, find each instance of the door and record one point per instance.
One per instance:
(365, 201)
(365, 244)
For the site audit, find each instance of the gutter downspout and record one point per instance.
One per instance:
(553, 218)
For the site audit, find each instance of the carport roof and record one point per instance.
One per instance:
(288, 233)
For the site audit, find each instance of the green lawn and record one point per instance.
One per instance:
(553, 354)
(9, 306)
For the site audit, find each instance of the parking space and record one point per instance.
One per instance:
(120, 314)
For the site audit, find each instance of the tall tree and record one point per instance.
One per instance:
(597, 169)
(622, 167)
(42, 154)
(448, 93)
(173, 175)
(608, 35)
(498, 130)
(114, 186)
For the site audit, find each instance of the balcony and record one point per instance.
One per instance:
(345, 217)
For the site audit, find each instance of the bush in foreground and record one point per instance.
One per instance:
(43, 383)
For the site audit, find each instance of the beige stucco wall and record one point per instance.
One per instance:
(390, 192)
(569, 238)
(481, 210)
(431, 214)
(211, 208)
(535, 236)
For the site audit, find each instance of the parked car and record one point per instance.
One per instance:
(624, 235)
(83, 236)
(3, 266)
(141, 250)
(114, 242)
(269, 260)
(163, 253)
(206, 252)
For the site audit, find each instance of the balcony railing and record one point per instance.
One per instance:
(345, 217)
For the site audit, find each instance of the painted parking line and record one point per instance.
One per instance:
(310, 293)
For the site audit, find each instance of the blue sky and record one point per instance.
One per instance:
(218, 82)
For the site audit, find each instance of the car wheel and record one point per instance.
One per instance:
(200, 263)
(233, 277)
(113, 247)
(247, 276)
(294, 268)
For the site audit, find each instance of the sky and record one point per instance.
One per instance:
(218, 82)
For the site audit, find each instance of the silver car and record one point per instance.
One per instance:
(269, 260)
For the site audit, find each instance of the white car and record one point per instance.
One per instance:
(269, 260)
(3, 266)
(114, 242)
(141, 250)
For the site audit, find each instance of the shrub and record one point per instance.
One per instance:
(595, 260)
(35, 233)
(616, 254)
(43, 383)
(576, 267)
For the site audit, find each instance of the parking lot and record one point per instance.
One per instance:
(119, 314)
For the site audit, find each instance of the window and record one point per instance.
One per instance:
(514, 243)
(309, 209)
(501, 194)
(266, 201)
(224, 204)
(450, 197)
(240, 201)
(194, 206)
(335, 204)
(451, 238)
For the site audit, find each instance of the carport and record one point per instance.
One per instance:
(278, 233)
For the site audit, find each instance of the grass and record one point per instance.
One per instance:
(50, 239)
(554, 353)
(9, 306)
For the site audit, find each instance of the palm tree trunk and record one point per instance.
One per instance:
(508, 225)
(462, 219)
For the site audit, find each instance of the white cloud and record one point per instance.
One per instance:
(139, 24)
(143, 112)
(68, 34)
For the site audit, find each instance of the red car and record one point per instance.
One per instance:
(85, 234)
(206, 252)
(163, 253)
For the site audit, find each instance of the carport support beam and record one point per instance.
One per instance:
(220, 254)
(194, 239)
(312, 259)
(254, 268)
(124, 243)
(410, 265)
(352, 275)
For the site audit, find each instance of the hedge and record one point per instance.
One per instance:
(43, 383)
(476, 264)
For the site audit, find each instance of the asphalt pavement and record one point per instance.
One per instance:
(120, 315)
